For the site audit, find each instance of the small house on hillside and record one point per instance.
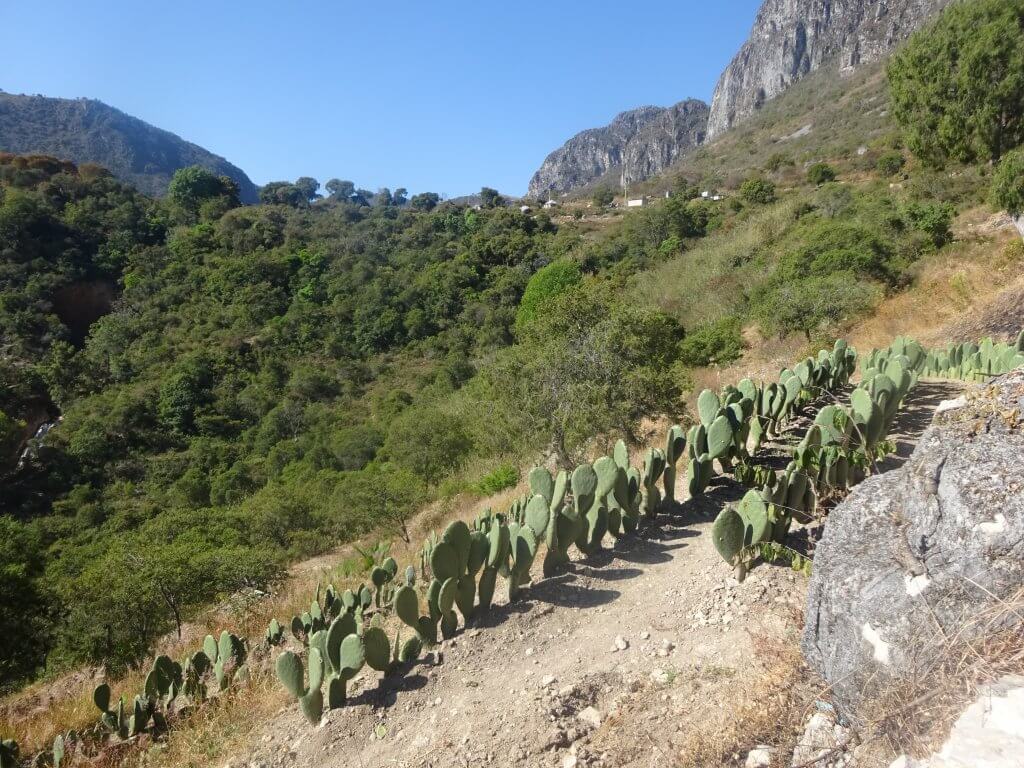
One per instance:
(635, 203)
(524, 209)
(550, 204)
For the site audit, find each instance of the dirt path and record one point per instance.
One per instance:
(613, 663)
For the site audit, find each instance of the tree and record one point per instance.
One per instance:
(717, 342)
(384, 198)
(603, 196)
(814, 303)
(192, 186)
(544, 287)
(428, 441)
(890, 163)
(821, 173)
(957, 86)
(491, 198)
(284, 193)
(340, 190)
(425, 201)
(590, 365)
(1008, 187)
(401, 196)
(309, 186)
(755, 190)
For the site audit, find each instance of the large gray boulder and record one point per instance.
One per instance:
(912, 558)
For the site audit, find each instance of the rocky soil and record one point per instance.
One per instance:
(615, 662)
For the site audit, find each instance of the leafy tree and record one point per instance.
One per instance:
(401, 196)
(957, 86)
(821, 173)
(603, 196)
(757, 190)
(308, 186)
(1008, 184)
(340, 190)
(192, 186)
(425, 201)
(384, 198)
(491, 198)
(813, 304)
(891, 162)
(544, 287)
(589, 366)
(284, 193)
(718, 342)
(934, 219)
(428, 441)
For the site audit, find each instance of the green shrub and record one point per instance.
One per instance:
(427, 441)
(603, 196)
(933, 219)
(547, 283)
(890, 163)
(755, 190)
(719, 342)
(502, 477)
(1008, 184)
(821, 173)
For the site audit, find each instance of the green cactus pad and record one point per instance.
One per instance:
(606, 469)
(727, 534)
(407, 606)
(584, 485)
(312, 706)
(444, 561)
(720, 437)
(210, 647)
(485, 589)
(621, 454)
(289, 670)
(465, 595)
(457, 534)
(446, 597)
(352, 656)
(101, 697)
(479, 548)
(708, 405)
(537, 514)
(411, 649)
(377, 648)
(754, 512)
(499, 545)
(541, 482)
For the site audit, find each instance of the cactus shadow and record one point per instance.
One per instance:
(570, 595)
(385, 694)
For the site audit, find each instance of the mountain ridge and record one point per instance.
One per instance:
(90, 131)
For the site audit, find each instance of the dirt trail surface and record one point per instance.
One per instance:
(614, 662)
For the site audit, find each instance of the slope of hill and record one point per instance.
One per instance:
(791, 39)
(89, 131)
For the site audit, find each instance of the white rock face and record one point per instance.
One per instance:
(989, 734)
(792, 38)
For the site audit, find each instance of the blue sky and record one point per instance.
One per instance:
(439, 96)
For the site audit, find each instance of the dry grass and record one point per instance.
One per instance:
(769, 708)
(915, 716)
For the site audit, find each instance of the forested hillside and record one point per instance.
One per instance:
(232, 389)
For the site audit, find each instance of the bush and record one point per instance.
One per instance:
(428, 441)
(757, 190)
(814, 303)
(546, 284)
(505, 476)
(718, 342)
(821, 173)
(603, 196)
(891, 163)
(1008, 183)
(933, 219)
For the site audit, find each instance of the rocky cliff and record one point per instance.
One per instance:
(634, 146)
(791, 38)
(88, 131)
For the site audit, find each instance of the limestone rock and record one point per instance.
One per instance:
(792, 38)
(921, 550)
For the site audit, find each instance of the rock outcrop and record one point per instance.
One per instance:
(634, 146)
(89, 131)
(792, 38)
(922, 552)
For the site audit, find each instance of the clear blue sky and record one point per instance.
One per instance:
(440, 96)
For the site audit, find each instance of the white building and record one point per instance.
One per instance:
(637, 203)
(550, 204)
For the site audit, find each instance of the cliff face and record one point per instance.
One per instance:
(635, 145)
(88, 131)
(791, 38)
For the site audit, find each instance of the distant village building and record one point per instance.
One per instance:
(705, 194)
(550, 204)
(635, 203)
(524, 209)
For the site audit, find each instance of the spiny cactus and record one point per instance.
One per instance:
(675, 444)
(293, 677)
